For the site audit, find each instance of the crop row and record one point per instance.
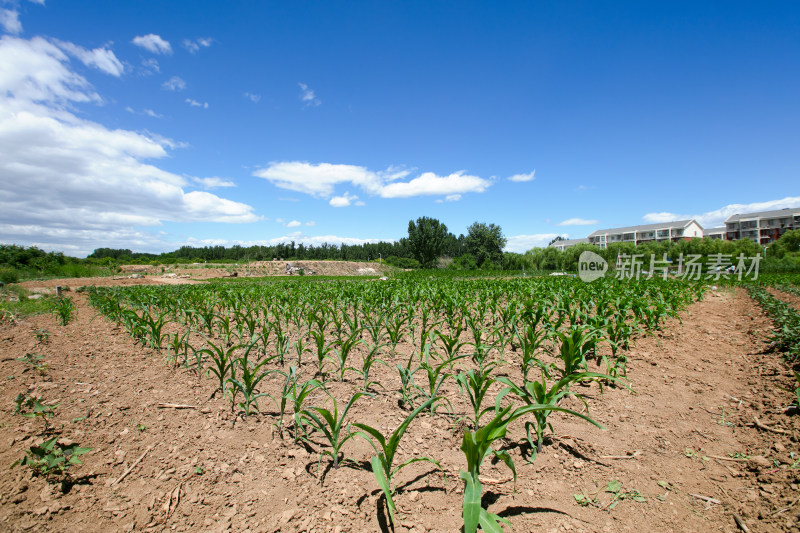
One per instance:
(786, 335)
(512, 349)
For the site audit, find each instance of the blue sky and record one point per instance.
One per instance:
(150, 125)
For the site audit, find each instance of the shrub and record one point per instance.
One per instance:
(9, 275)
(402, 262)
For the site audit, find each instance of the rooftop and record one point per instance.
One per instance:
(646, 227)
(777, 213)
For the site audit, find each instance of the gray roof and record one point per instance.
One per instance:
(646, 227)
(570, 242)
(721, 229)
(777, 213)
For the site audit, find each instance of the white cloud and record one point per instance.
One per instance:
(294, 224)
(194, 103)
(151, 113)
(150, 66)
(73, 183)
(522, 243)
(345, 200)
(307, 96)
(193, 45)
(153, 43)
(523, 177)
(655, 218)
(311, 223)
(429, 183)
(36, 70)
(320, 181)
(214, 182)
(716, 218)
(9, 20)
(100, 58)
(578, 222)
(175, 83)
(255, 98)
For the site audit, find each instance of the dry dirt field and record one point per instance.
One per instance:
(702, 388)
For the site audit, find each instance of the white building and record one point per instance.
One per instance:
(762, 227)
(665, 231)
(716, 233)
(563, 244)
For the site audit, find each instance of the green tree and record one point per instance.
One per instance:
(426, 239)
(485, 242)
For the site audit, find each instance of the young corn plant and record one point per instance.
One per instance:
(63, 308)
(367, 361)
(251, 376)
(223, 362)
(324, 350)
(154, 328)
(436, 376)
(538, 393)
(408, 389)
(332, 425)
(475, 384)
(477, 445)
(344, 347)
(298, 393)
(383, 462)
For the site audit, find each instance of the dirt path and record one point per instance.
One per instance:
(699, 387)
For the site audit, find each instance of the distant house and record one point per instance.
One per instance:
(563, 244)
(664, 231)
(762, 227)
(716, 233)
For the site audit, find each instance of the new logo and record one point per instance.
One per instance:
(591, 266)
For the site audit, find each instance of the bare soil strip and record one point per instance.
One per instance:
(686, 442)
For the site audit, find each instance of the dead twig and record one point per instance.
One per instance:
(175, 406)
(130, 468)
(759, 425)
(740, 523)
(706, 498)
(490, 481)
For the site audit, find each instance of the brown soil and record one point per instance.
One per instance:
(262, 268)
(192, 274)
(699, 388)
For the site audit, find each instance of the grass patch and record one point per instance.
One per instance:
(14, 303)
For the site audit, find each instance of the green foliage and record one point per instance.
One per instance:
(402, 262)
(32, 407)
(485, 243)
(52, 457)
(426, 239)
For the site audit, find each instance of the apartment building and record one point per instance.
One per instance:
(716, 233)
(762, 227)
(563, 244)
(665, 231)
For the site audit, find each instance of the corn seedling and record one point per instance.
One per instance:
(331, 425)
(382, 463)
(366, 365)
(51, 457)
(408, 390)
(537, 392)
(251, 376)
(63, 308)
(475, 384)
(477, 445)
(345, 346)
(435, 376)
(222, 362)
(298, 393)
